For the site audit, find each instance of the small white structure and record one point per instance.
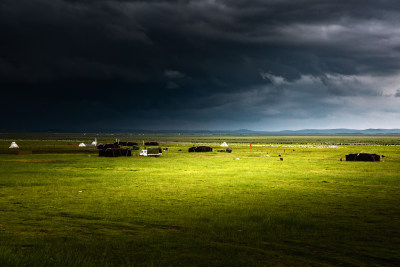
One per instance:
(224, 144)
(82, 145)
(14, 145)
(94, 143)
(143, 153)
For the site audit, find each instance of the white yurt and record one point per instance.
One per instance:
(82, 145)
(94, 143)
(224, 144)
(14, 145)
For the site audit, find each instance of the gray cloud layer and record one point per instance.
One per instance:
(200, 64)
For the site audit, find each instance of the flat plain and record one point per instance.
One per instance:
(65, 206)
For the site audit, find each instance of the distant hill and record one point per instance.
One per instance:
(342, 131)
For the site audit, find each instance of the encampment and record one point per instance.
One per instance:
(14, 145)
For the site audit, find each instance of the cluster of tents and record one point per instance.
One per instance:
(94, 143)
(209, 149)
(115, 152)
(116, 149)
(119, 149)
(124, 149)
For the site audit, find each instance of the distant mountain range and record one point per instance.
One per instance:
(341, 131)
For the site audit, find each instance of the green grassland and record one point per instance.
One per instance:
(65, 206)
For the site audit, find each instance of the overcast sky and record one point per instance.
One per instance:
(203, 64)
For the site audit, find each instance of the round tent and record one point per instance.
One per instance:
(14, 145)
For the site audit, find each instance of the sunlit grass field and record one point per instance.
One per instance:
(64, 206)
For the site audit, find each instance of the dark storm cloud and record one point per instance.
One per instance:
(210, 62)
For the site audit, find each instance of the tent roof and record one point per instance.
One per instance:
(14, 145)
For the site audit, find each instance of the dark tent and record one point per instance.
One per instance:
(100, 146)
(115, 152)
(126, 143)
(363, 157)
(228, 150)
(151, 144)
(200, 149)
(105, 146)
(131, 144)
